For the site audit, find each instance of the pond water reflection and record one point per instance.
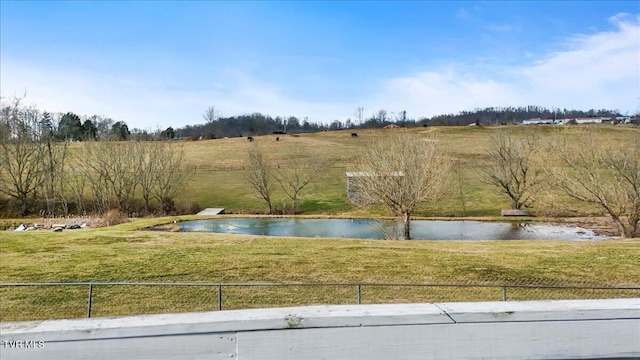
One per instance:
(374, 229)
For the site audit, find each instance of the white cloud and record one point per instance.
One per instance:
(601, 70)
(594, 71)
(597, 71)
(445, 91)
(150, 103)
(244, 93)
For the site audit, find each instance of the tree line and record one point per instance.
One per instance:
(73, 127)
(216, 126)
(514, 115)
(40, 171)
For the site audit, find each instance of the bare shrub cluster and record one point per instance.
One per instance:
(293, 177)
(45, 175)
(605, 176)
(602, 177)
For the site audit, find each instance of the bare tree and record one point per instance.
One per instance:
(169, 178)
(359, 115)
(295, 176)
(401, 171)
(21, 174)
(92, 173)
(148, 157)
(103, 126)
(259, 176)
(513, 167)
(400, 116)
(114, 170)
(381, 116)
(211, 115)
(54, 156)
(604, 175)
(75, 184)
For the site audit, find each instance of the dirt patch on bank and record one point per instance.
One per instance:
(111, 218)
(600, 225)
(166, 227)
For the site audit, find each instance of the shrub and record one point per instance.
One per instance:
(114, 217)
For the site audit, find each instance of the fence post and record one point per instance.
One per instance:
(219, 297)
(89, 300)
(504, 292)
(359, 295)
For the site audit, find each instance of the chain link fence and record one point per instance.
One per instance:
(31, 301)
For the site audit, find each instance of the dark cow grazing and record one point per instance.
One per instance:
(250, 138)
(354, 135)
(278, 138)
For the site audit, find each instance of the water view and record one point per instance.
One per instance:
(374, 229)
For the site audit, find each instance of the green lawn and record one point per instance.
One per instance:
(124, 254)
(218, 181)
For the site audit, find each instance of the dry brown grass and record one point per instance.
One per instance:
(338, 150)
(121, 253)
(217, 180)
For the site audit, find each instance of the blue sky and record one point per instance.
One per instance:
(159, 64)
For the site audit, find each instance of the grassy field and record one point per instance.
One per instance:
(215, 167)
(217, 180)
(126, 253)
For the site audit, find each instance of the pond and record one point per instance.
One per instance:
(375, 229)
